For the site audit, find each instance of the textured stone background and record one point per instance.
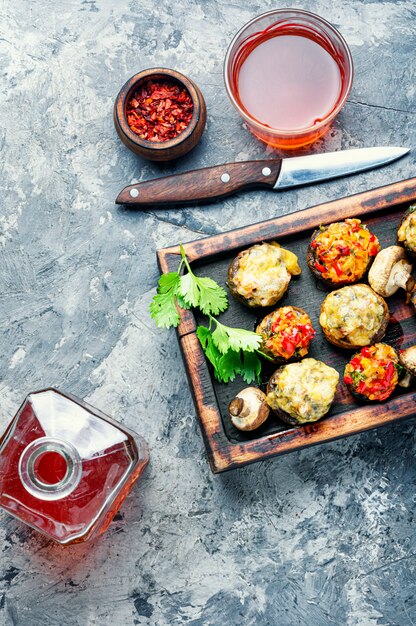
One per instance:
(325, 536)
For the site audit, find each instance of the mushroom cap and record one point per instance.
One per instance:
(389, 271)
(407, 358)
(249, 409)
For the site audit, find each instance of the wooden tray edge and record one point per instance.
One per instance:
(366, 202)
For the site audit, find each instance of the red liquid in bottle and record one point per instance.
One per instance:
(51, 468)
(65, 467)
(289, 78)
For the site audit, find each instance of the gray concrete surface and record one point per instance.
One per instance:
(323, 537)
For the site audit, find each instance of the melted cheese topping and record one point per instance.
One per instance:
(407, 231)
(354, 313)
(264, 273)
(304, 390)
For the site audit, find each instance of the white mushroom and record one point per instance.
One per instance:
(407, 358)
(390, 271)
(249, 409)
(411, 297)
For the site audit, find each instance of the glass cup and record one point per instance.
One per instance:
(293, 22)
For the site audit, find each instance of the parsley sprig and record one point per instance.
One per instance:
(186, 290)
(230, 351)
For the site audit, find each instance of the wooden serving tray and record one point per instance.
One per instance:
(227, 447)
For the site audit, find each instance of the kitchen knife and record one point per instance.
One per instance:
(213, 183)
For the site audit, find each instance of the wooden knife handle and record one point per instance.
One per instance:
(210, 183)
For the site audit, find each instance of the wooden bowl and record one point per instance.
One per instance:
(165, 150)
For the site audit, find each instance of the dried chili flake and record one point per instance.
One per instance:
(159, 111)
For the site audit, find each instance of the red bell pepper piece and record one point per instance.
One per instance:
(275, 326)
(356, 363)
(362, 387)
(296, 337)
(288, 346)
(390, 372)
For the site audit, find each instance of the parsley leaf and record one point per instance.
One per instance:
(189, 290)
(168, 282)
(252, 367)
(212, 297)
(244, 339)
(181, 302)
(203, 292)
(163, 308)
(231, 351)
(221, 339)
(247, 364)
(226, 337)
(186, 291)
(211, 351)
(229, 365)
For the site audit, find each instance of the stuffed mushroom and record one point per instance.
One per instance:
(286, 333)
(354, 316)
(260, 275)
(373, 373)
(406, 234)
(300, 393)
(341, 253)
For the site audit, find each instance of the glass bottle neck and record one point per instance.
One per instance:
(50, 468)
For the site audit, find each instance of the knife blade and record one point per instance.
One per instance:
(219, 181)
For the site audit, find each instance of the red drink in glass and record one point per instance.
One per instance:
(288, 73)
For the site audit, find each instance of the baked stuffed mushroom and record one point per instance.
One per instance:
(287, 333)
(300, 393)
(260, 275)
(341, 253)
(354, 316)
(406, 234)
(372, 374)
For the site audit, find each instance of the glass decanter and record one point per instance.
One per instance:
(66, 467)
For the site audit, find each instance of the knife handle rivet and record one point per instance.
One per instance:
(266, 171)
(225, 178)
(134, 193)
